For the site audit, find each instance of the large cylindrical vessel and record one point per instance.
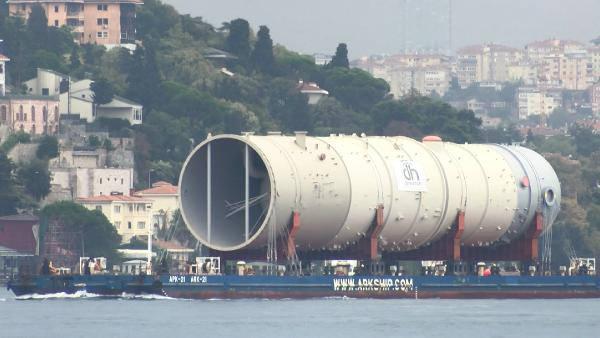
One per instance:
(235, 191)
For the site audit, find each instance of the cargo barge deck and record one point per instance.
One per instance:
(302, 287)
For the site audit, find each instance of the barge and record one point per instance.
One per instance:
(303, 287)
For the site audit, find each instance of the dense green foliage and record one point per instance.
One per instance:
(576, 160)
(9, 200)
(48, 147)
(340, 59)
(35, 178)
(186, 95)
(100, 238)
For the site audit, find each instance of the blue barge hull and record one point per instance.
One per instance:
(278, 287)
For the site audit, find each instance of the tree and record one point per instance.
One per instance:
(48, 148)
(558, 118)
(103, 92)
(9, 199)
(238, 40)
(35, 178)
(74, 58)
(100, 238)
(353, 87)
(586, 141)
(143, 77)
(262, 55)
(37, 23)
(340, 59)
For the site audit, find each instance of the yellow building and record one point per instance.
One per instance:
(103, 22)
(165, 201)
(130, 215)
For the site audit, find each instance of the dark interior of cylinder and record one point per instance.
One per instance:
(227, 202)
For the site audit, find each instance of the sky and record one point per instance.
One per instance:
(380, 26)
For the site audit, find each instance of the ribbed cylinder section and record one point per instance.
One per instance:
(234, 189)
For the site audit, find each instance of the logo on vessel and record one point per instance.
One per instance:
(410, 176)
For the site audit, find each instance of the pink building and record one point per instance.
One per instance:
(103, 22)
(35, 115)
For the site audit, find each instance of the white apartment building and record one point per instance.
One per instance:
(80, 100)
(3, 61)
(538, 50)
(524, 72)
(595, 98)
(535, 101)
(130, 215)
(404, 73)
(72, 183)
(485, 63)
(594, 53)
(165, 199)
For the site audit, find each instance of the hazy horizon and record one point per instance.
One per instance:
(313, 26)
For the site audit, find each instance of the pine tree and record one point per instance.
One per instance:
(74, 59)
(238, 40)
(262, 55)
(340, 58)
(37, 24)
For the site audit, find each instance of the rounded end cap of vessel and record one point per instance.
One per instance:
(432, 138)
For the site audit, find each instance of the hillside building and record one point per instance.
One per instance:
(102, 22)
(3, 61)
(130, 215)
(165, 201)
(31, 114)
(485, 63)
(78, 100)
(535, 101)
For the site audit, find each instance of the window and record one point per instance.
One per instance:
(45, 91)
(121, 181)
(128, 225)
(3, 113)
(55, 9)
(55, 23)
(100, 180)
(99, 207)
(103, 8)
(141, 225)
(32, 113)
(102, 21)
(20, 115)
(118, 225)
(117, 209)
(45, 114)
(56, 114)
(130, 208)
(99, 34)
(1, 68)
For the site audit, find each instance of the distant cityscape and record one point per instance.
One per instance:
(544, 76)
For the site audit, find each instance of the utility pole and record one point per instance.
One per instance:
(450, 26)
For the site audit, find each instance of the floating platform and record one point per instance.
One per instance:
(284, 287)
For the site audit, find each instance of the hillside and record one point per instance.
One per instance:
(190, 88)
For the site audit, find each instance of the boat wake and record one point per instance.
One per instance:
(87, 295)
(60, 295)
(128, 296)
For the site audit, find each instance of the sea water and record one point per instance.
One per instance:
(84, 315)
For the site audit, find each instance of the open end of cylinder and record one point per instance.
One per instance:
(225, 193)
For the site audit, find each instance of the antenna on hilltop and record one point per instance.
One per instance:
(450, 26)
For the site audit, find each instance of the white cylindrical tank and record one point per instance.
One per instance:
(237, 191)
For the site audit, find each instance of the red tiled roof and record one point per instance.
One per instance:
(159, 188)
(112, 198)
(311, 87)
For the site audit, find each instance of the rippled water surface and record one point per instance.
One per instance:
(129, 316)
